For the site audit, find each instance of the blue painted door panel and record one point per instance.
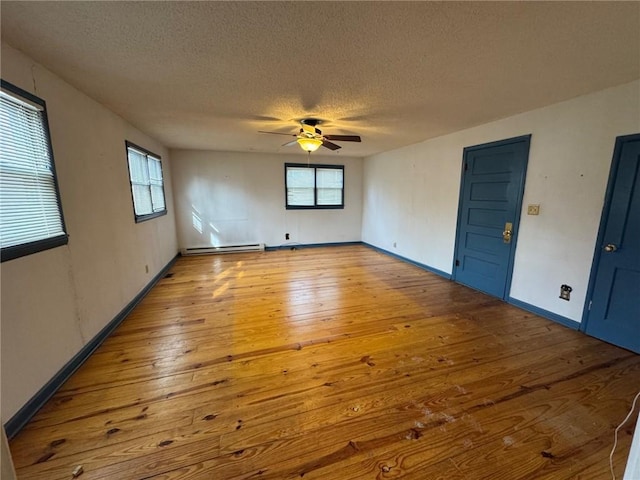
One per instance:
(615, 301)
(491, 196)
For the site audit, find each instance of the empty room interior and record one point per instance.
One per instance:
(330, 240)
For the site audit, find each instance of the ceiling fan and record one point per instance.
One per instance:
(310, 138)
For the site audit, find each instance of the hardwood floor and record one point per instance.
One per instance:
(333, 363)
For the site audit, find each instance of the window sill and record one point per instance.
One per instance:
(144, 218)
(17, 251)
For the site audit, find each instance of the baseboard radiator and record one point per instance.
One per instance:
(254, 247)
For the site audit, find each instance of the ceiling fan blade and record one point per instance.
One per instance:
(289, 144)
(278, 133)
(344, 138)
(329, 145)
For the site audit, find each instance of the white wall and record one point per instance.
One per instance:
(54, 302)
(411, 194)
(230, 198)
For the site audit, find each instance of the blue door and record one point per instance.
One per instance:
(489, 213)
(613, 311)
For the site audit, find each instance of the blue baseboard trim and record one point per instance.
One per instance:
(295, 246)
(408, 260)
(20, 419)
(567, 322)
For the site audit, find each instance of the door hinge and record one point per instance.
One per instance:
(590, 303)
(457, 263)
(466, 166)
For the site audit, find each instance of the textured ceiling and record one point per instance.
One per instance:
(209, 75)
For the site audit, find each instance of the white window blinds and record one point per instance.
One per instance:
(314, 186)
(329, 184)
(29, 205)
(147, 186)
(300, 186)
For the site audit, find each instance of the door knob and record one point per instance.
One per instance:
(610, 247)
(507, 233)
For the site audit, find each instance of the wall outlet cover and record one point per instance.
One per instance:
(565, 292)
(533, 209)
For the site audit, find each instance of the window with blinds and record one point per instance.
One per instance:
(314, 186)
(30, 212)
(147, 185)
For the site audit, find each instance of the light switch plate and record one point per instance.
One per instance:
(533, 209)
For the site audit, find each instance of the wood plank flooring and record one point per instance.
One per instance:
(333, 363)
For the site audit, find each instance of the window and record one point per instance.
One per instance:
(147, 185)
(30, 213)
(314, 186)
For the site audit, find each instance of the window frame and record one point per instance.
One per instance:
(29, 248)
(315, 206)
(148, 153)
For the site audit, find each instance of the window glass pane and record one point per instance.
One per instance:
(29, 208)
(300, 197)
(138, 167)
(142, 199)
(155, 171)
(300, 177)
(157, 198)
(329, 178)
(329, 196)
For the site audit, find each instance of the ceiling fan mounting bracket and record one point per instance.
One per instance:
(312, 122)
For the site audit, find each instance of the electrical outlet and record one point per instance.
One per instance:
(286, 236)
(565, 292)
(394, 245)
(533, 209)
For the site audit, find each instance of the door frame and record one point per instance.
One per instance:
(516, 221)
(604, 217)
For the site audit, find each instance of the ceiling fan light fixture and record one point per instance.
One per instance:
(309, 144)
